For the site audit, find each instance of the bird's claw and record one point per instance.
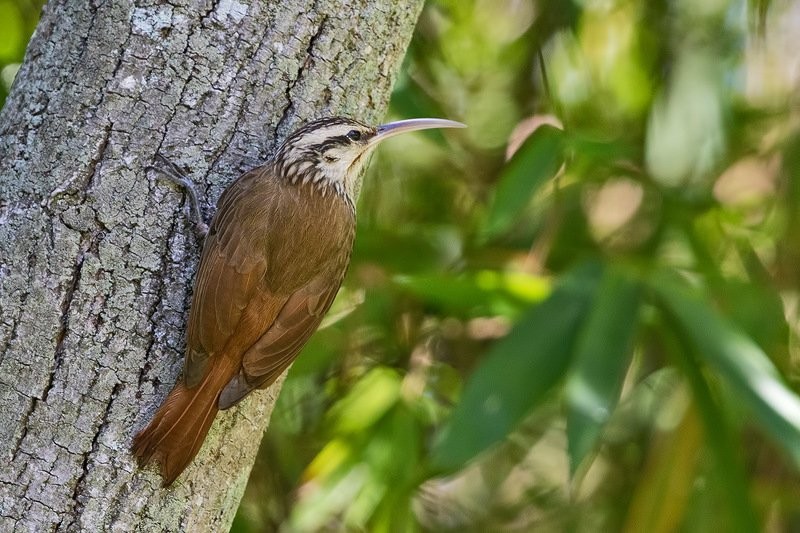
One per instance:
(176, 175)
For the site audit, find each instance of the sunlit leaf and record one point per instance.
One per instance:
(323, 503)
(12, 31)
(677, 156)
(369, 399)
(478, 293)
(390, 454)
(601, 356)
(336, 453)
(747, 369)
(536, 161)
(518, 371)
(375, 466)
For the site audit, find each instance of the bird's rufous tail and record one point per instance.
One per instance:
(180, 425)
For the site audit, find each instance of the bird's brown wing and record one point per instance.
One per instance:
(268, 275)
(229, 283)
(313, 265)
(279, 346)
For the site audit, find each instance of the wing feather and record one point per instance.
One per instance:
(279, 346)
(296, 322)
(232, 267)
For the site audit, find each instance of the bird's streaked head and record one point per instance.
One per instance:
(331, 152)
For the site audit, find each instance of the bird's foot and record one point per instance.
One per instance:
(175, 174)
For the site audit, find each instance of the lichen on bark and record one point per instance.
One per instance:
(97, 256)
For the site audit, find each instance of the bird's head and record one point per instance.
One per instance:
(331, 152)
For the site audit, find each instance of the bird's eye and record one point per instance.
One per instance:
(354, 135)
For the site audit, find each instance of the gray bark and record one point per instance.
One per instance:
(97, 257)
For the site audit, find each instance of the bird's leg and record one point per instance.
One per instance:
(175, 174)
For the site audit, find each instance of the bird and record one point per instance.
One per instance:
(274, 257)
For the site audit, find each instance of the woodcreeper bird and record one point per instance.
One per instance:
(272, 262)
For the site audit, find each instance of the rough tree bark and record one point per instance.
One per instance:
(97, 258)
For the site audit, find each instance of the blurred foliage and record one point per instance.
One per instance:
(18, 19)
(581, 313)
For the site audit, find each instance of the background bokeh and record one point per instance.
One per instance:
(578, 314)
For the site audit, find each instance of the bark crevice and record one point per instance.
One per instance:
(299, 75)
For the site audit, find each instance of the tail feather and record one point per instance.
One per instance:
(180, 425)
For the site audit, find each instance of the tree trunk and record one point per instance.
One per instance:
(97, 256)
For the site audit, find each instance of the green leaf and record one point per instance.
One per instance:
(601, 356)
(536, 161)
(739, 360)
(369, 399)
(479, 293)
(12, 32)
(518, 371)
(389, 455)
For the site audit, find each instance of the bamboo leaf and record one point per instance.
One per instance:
(601, 357)
(518, 371)
(536, 161)
(739, 360)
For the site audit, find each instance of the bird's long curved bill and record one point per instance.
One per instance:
(414, 124)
